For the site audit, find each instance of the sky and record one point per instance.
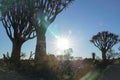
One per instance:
(79, 22)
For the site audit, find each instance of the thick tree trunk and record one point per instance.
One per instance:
(40, 45)
(41, 29)
(16, 50)
(104, 55)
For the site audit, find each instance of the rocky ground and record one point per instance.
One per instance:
(111, 73)
(10, 75)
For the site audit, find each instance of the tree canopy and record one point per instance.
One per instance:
(17, 21)
(105, 41)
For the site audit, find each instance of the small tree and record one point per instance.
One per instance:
(68, 53)
(111, 54)
(93, 56)
(104, 41)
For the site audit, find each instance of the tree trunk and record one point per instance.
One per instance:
(104, 55)
(41, 29)
(40, 45)
(16, 50)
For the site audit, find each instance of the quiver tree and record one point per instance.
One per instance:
(104, 41)
(17, 21)
(45, 13)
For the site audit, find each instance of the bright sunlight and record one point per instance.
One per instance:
(62, 43)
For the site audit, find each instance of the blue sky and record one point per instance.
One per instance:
(80, 21)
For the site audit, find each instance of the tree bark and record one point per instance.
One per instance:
(16, 50)
(40, 51)
(104, 55)
(41, 44)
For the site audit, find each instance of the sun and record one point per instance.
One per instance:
(62, 43)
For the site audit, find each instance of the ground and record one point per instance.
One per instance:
(110, 73)
(10, 76)
(6, 74)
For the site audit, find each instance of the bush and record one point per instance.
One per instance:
(50, 68)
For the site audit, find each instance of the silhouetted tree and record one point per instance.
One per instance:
(112, 54)
(68, 53)
(16, 19)
(104, 41)
(93, 56)
(45, 13)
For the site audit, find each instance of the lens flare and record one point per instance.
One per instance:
(62, 43)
